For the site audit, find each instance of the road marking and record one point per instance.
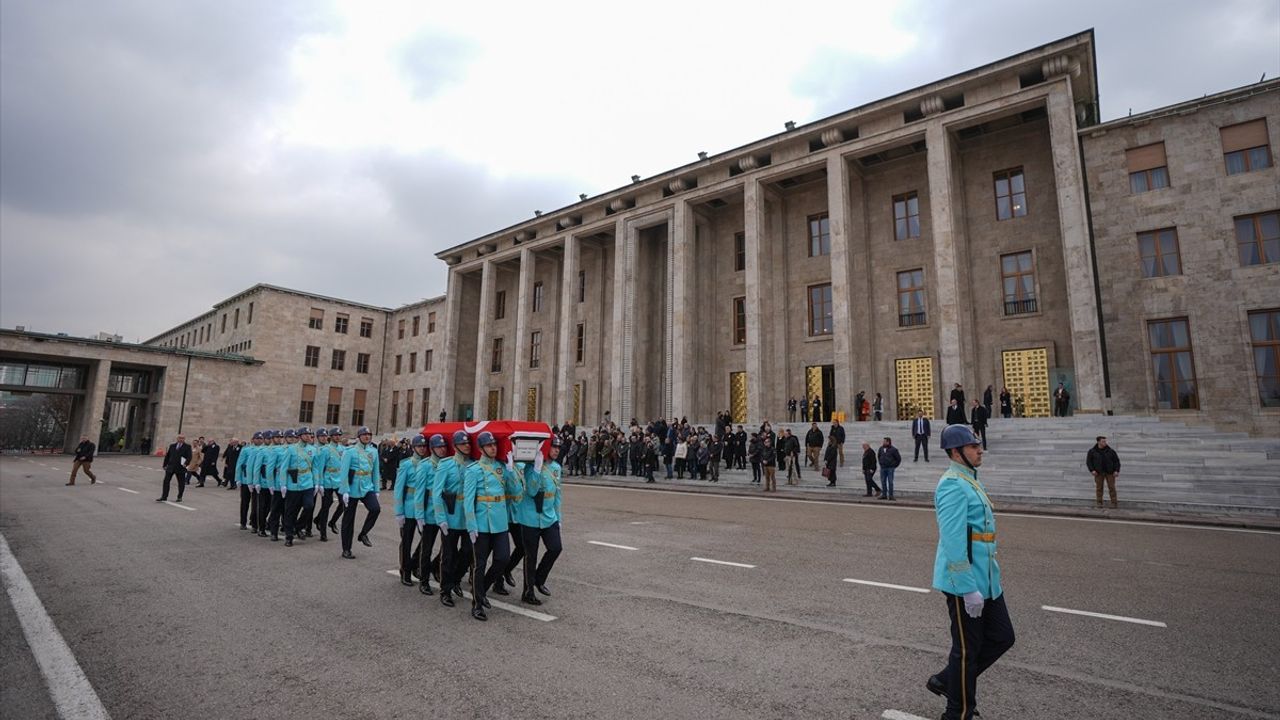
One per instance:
(125, 489)
(70, 690)
(1104, 616)
(180, 507)
(721, 562)
(899, 715)
(605, 544)
(640, 522)
(505, 606)
(891, 586)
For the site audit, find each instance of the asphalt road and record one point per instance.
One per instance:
(177, 613)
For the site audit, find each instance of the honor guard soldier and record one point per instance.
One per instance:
(358, 474)
(485, 489)
(300, 489)
(332, 485)
(278, 482)
(446, 499)
(266, 478)
(428, 522)
(966, 572)
(245, 465)
(405, 491)
(309, 505)
(539, 511)
(320, 471)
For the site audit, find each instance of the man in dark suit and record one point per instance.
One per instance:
(175, 464)
(957, 394)
(955, 414)
(920, 431)
(978, 419)
(209, 463)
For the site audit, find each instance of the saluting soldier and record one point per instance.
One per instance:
(966, 572)
(446, 500)
(358, 474)
(405, 504)
(246, 464)
(539, 511)
(486, 486)
(300, 489)
(332, 485)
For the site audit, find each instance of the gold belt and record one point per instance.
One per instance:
(548, 494)
(491, 498)
(982, 537)
(362, 473)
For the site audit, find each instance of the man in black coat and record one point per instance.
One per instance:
(83, 459)
(869, 469)
(957, 394)
(955, 414)
(209, 462)
(837, 436)
(1104, 463)
(175, 465)
(920, 431)
(813, 441)
(229, 459)
(978, 419)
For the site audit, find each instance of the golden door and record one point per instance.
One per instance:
(531, 404)
(738, 396)
(577, 403)
(495, 404)
(1026, 374)
(915, 386)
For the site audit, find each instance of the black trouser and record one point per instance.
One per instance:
(976, 643)
(294, 502)
(276, 510)
(982, 433)
(425, 548)
(484, 574)
(535, 573)
(325, 503)
(372, 509)
(169, 474)
(755, 471)
(869, 476)
(455, 558)
(229, 472)
(262, 505)
(308, 514)
(206, 471)
(517, 548)
(408, 531)
(922, 442)
(246, 500)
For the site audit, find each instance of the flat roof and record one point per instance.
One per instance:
(1262, 86)
(69, 339)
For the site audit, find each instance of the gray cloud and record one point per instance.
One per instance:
(431, 61)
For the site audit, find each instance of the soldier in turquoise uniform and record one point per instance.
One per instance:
(280, 459)
(446, 500)
(428, 523)
(319, 470)
(245, 465)
(358, 474)
(486, 486)
(966, 572)
(307, 516)
(332, 483)
(405, 490)
(299, 483)
(539, 512)
(266, 478)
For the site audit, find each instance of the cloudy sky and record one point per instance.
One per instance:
(156, 157)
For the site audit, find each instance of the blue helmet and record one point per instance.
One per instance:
(321, 432)
(268, 434)
(290, 434)
(555, 441)
(437, 441)
(418, 441)
(460, 438)
(486, 438)
(956, 436)
(363, 431)
(304, 430)
(336, 432)
(257, 435)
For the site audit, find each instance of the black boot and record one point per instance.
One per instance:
(275, 536)
(506, 577)
(501, 589)
(405, 579)
(478, 613)
(446, 597)
(530, 598)
(364, 540)
(346, 555)
(425, 588)
(288, 542)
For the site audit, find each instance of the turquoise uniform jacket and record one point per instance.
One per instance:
(282, 465)
(546, 483)
(407, 487)
(424, 506)
(320, 464)
(448, 479)
(245, 465)
(333, 466)
(966, 557)
(266, 476)
(359, 470)
(299, 458)
(486, 485)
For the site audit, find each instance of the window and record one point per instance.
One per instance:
(249, 320)
(413, 362)
(395, 407)
(582, 286)
(400, 330)
(819, 235)
(819, 310)
(339, 359)
(739, 251)
(417, 321)
(906, 216)
(399, 358)
(1148, 169)
(366, 327)
(535, 349)
(740, 320)
(537, 296)
(426, 361)
(1159, 250)
(408, 407)
(340, 324)
(1264, 328)
(1258, 238)
(224, 324)
(426, 405)
(1018, 276)
(580, 343)
(362, 363)
(313, 356)
(1172, 365)
(307, 406)
(500, 305)
(333, 411)
(1011, 194)
(357, 408)
(316, 322)
(431, 322)
(911, 310)
(1245, 147)
(495, 360)
(235, 320)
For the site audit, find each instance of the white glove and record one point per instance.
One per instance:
(973, 604)
(400, 521)
(511, 462)
(282, 492)
(474, 536)
(444, 528)
(537, 462)
(346, 498)
(422, 524)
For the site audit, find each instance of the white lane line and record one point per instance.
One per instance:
(124, 489)
(640, 522)
(180, 507)
(72, 694)
(605, 544)
(721, 562)
(1104, 616)
(899, 715)
(891, 586)
(505, 606)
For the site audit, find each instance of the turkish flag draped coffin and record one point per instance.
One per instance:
(525, 439)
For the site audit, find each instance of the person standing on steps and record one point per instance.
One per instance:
(920, 432)
(869, 469)
(889, 459)
(1104, 464)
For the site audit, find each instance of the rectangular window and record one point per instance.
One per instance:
(399, 359)
(408, 407)
(537, 296)
(535, 349)
(413, 362)
(249, 320)
(362, 363)
(357, 408)
(1172, 364)
(1264, 330)
(819, 235)
(340, 324)
(307, 406)
(400, 330)
(740, 320)
(312, 358)
(426, 361)
(1159, 251)
(316, 322)
(224, 324)
(1258, 238)
(1011, 194)
(431, 322)
(339, 360)
(911, 310)
(906, 216)
(820, 322)
(1148, 168)
(1018, 276)
(582, 286)
(500, 305)
(580, 343)
(235, 320)
(417, 321)
(333, 411)
(395, 407)
(495, 359)
(1246, 147)
(739, 251)
(426, 405)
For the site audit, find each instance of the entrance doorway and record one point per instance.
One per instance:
(494, 411)
(820, 381)
(915, 386)
(1026, 374)
(738, 396)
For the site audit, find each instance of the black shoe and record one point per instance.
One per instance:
(288, 542)
(333, 528)
(831, 484)
(323, 537)
(425, 588)
(501, 589)
(306, 533)
(478, 613)
(457, 591)
(485, 602)
(406, 580)
(179, 499)
(162, 499)
(935, 685)
(346, 555)
(262, 533)
(244, 527)
(530, 598)
(543, 589)
(506, 577)
(199, 484)
(275, 537)
(364, 540)
(446, 598)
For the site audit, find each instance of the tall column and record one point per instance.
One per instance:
(1073, 222)
(453, 319)
(681, 248)
(753, 210)
(567, 351)
(95, 401)
(524, 307)
(624, 281)
(481, 400)
(838, 212)
(946, 314)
